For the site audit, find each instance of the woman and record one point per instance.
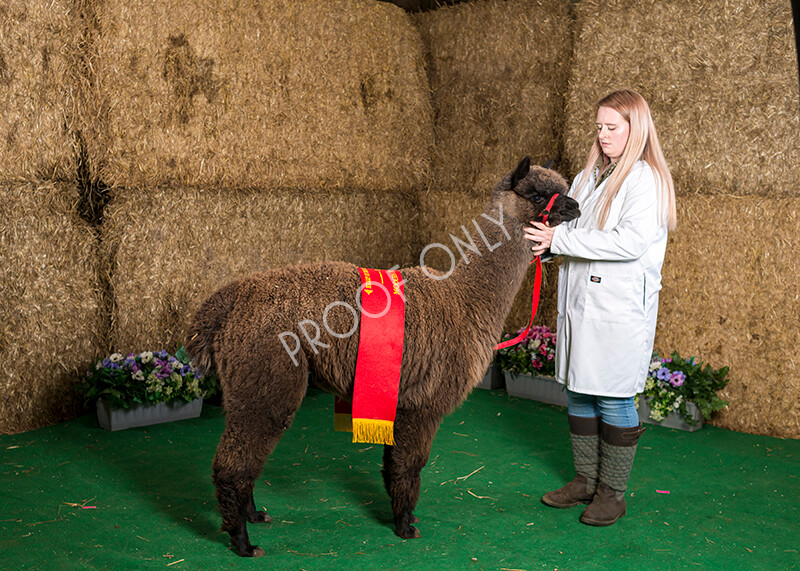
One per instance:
(608, 290)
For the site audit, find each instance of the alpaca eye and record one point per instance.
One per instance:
(537, 198)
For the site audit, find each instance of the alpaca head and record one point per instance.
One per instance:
(533, 187)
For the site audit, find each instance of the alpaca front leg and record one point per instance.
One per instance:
(387, 473)
(403, 463)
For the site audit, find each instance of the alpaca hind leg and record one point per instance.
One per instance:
(413, 438)
(251, 434)
(240, 456)
(254, 515)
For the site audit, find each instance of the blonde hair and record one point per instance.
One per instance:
(642, 145)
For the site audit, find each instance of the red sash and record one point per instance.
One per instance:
(380, 354)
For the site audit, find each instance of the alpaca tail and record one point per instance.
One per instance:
(206, 324)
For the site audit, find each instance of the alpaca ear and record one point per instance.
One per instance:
(521, 172)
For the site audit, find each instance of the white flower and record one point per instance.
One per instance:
(115, 357)
(176, 365)
(138, 376)
(655, 365)
(146, 357)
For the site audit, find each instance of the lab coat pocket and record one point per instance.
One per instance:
(614, 297)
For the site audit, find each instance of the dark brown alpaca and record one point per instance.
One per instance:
(452, 326)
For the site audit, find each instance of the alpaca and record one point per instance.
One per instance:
(452, 325)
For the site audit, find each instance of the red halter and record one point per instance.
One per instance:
(537, 283)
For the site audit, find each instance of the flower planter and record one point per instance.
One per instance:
(674, 419)
(493, 379)
(144, 415)
(543, 389)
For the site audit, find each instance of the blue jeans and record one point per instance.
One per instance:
(620, 412)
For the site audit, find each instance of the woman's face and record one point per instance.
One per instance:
(612, 132)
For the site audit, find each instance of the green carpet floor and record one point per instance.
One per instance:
(74, 496)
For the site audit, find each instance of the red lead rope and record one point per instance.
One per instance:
(537, 285)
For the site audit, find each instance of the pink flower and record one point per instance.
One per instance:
(677, 378)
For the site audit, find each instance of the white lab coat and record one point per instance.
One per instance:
(608, 288)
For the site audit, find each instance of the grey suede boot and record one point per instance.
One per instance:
(617, 451)
(585, 437)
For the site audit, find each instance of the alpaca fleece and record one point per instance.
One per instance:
(452, 325)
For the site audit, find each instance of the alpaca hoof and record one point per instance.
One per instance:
(251, 551)
(411, 533)
(257, 551)
(259, 517)
(415, 519)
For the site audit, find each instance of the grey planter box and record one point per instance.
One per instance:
(674, 419)
(144, 415)
(493, 379)
(543, 389)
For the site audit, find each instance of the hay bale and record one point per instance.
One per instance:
(498, 71)
(38, 50)
(730, 298)
(442, 214)
(51, 320)
(168, 255)
(721, 80)
(286, 93)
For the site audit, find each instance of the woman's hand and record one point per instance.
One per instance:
(541, 236)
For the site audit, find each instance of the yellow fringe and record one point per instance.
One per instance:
(373, 431)
(342, 422)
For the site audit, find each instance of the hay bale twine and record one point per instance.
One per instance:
(720, 78)
(731, 300)
(38, 51)
(286, 93)
(498, 72)
(166, 256)
(51, 321)
(443, 214)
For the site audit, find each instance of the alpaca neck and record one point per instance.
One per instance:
(497, 260)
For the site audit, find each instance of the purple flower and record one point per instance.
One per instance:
(677, 378)
(114, 366)
(185, 370)
(163, 373)
(663, 374)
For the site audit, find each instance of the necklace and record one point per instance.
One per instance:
(605, 174)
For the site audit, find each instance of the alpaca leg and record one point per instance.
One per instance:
(255, 515)
(386, 472)
(251, 433)
(413, 438)
(241, 453)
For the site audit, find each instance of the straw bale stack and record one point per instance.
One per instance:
(285, 93)
(721, 80)
(442, 215)
(38, 51)
(498, 71)
(51, 323)
(167, 255)
(731, 298)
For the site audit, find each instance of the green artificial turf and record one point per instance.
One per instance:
(74, 496)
